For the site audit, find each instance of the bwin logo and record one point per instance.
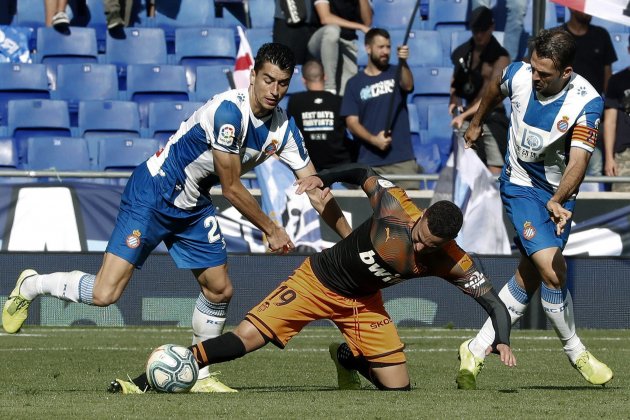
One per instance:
(368, 258)
(476, 280)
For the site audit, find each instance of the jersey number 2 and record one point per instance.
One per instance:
(212, 223)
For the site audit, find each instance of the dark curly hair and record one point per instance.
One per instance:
(555, 44)
(444, 219)
(277, 54)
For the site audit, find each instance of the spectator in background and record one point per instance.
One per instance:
(316, 113)
(366, 106)
(56, 15)
(117, 13)
(516, 10)
(617, 128)
(293, 27)
(593, 60)
(334, 42)
(478, 62)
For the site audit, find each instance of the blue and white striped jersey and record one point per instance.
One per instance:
(542, 129)
(184, 169)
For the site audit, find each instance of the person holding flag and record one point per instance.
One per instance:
(167, 199)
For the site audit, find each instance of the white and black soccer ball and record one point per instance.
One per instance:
(172, 368)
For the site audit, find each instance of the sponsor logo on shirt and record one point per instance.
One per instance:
(367, 258)
(381, 323)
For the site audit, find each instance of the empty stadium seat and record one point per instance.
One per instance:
(210, 81)
(21, 81)
(261, 15)
(30, 13)
(439, 129)
(139, 46)
(446, 12)
(36, 118)
(551, 17)
(203, 46)
(425, 47)
(60, 153)
(620, 43)
(123, 154)
(81, 82)
(431, 86)
(8, 153)
(393, 14)
(171, 15)
(259, 36)
(152, 83)
(54, 48)
(166, 117)
(108, 119)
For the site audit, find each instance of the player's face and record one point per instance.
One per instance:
(379, 51)
(268, 86)
(548, 80)
(423, 240)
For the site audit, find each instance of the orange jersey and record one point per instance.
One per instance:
(380, 253)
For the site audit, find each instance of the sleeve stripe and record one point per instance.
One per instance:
(585, 135)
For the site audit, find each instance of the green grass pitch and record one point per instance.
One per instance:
(64, 372)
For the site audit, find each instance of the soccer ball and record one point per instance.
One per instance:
(172, 368)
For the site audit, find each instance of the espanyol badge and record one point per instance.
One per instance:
(133, 240)
(271, 148)
(563, 124)
(529, 231)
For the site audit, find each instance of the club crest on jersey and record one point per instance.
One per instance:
(226, 135)
(529, 231)
(271, 148)
(563, 124)
(133, 240)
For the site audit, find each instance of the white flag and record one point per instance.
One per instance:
(244, 61)
(611, 10)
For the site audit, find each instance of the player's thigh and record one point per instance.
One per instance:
(196, 241)
(370, 331)
(292, 305)
(394, 376)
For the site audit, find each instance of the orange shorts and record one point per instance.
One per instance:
(364, 322)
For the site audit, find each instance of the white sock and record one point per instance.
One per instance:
(207, 322)
(75, 286)
(516, 300)
(558, 307)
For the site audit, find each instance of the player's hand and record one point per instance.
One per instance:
(382, 141)
(403, 52)
(310, 183)
(559, 215)
(506, 355)
(472, 134)
(279, 241)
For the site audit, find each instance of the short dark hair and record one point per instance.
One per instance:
(444, 219)
(277, 54)
(555, 44)
(373, 33)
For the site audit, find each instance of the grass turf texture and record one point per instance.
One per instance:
(64, 372)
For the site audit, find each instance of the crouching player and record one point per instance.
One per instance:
(399, 242)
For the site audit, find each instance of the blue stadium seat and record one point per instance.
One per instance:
(210, 81)
(8, 154)
(425, 47)
(165, 118)
(139, 46)
(620, 43)
(440, 131)
(30, 13)
(122, 154)
(393, 14)
(108, 119)
(447, 12)
(82, 82)
(296, 84)
(431, 86)
(36, 118)
(261, 14)
(60, 153)
(203, 46)
(153, 83)
(259, 36)
(171, 15)
(54, 48)
(21, 81)
(551, 17)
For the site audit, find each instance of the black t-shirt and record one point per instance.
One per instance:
(467, 80)
(618, 97)
(346, 9)
(593, 51)
(317, 116)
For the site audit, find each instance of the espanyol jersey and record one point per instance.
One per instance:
(542, 129)
(184, 169)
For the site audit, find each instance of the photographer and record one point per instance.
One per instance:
(477, 62)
